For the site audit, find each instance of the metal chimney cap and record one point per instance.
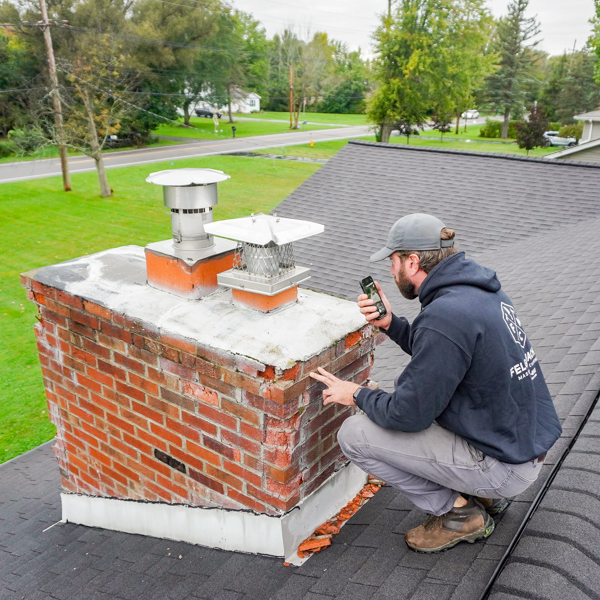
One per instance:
(261, 229)
(186, 177)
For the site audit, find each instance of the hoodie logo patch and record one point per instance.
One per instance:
(513, 324)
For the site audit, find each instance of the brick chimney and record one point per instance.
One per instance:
(194, 420)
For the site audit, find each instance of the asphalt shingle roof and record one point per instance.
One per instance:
(533, 221)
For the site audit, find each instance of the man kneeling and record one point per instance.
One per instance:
(471, 418)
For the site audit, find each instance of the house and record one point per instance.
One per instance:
(588, 149)
(524, 217)
(243, 102)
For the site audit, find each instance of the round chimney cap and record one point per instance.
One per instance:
(186, 177)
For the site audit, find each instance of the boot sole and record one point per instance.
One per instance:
(498, 508)
(471, 538)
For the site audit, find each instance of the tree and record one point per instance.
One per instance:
(443, 123)
(580, 92)
(530, 133)
(506, 86)
(407, 44)
(347, 85)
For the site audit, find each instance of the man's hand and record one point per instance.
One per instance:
(338, 391)
(367, 308)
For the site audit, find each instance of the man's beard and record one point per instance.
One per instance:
(407, 289)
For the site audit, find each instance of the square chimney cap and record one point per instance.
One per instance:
(261, 229)
(186, 177)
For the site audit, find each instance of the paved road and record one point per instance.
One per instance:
(37, 169)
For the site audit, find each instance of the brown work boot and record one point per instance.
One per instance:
(466, 524)
(494, 506)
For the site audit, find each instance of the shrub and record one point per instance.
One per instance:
(555, 126)
(575, 131)
(7, 149)
(493, 129)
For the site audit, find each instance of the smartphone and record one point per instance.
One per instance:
(368, 287)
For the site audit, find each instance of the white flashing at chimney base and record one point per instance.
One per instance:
(219, 528)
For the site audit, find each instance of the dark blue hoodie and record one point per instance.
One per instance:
(472, 370)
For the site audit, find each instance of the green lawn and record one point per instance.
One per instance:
(52, 152)
(313, 117)
(204, 129)
(325, 150)
(41, 225)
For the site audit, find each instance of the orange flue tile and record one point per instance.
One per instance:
(265, 303)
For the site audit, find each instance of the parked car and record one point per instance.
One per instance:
(554, 139)
(206, 112)
(470, 114)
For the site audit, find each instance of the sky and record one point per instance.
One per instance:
(563, 22)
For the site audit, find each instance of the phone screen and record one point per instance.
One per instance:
(371, 290)
(368, 287)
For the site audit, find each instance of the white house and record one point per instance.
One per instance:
(243, 102)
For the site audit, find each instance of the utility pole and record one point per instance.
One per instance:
(58, 119)
(291, 96)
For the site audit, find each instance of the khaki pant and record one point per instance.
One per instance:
(433, 466)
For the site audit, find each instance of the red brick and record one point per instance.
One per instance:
(39, 288)
(241, 381)
(121, 424)
(179, 343)
(165, 352)
(206, 481)
(97, 310)
(177, 369)
(200, 392)
(144, 384)
(268, 373)
(240, 441)
(129, 363)
(252, 432)
(142, 355)
(100, 457)
(199, 364)
(104, 403)
(48, 315)
(353, 338)
(136, 443)
(88, 383)
(110, 342)
(220, 448)
(138, 467)
(198, 423)
(131, 475)
(172, 487)
(147, 412)
(344, 360)
(333, 426)
(113, 370)
(218, 357)
(82, 330)
(59, 309)
(187, 459)
(270, 500)
(282, 457)
(226, 478)
(116, 332)
(236, 409)
(69, 299)
(154, 464)
(252, 504)
(156, 376)
(96, 375)
(166, 434)
(123, 448)
(293, 373)
(217, 416)
(159, 491)
(85, 319)
(282, 475)
(242, 473)
(90, 408)
(203, 453)
(187, 432)
(130, 391)
(216, 384)
(177, 399)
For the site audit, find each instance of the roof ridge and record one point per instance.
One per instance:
(496, 155)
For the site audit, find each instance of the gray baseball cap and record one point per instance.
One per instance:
(414, 232)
